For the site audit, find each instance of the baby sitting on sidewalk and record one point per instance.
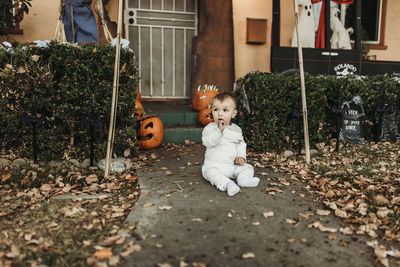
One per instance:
(225, 157)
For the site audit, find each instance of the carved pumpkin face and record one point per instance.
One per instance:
(139, 110)
(150, 133)
(202, 98)
(205, 116)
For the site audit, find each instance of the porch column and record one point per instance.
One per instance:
(213, 46)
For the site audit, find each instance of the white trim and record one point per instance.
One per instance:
(184, 61)
(165, 27)
(151, 60)
(162, 63)
(164, 11)
(140, 57)
(165, 97)
(173, 61)
(166, 19)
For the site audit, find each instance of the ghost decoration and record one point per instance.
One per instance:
(340, 35)
(305, 25)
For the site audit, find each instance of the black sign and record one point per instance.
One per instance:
(352, 121)
(386, 117)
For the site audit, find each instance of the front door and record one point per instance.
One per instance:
(161, 32)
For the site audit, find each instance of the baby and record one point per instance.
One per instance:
(225, 157)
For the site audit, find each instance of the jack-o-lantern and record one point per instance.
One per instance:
(205, 116)
(138, 95)
(150, 133)
(139, 110)
(203, 96)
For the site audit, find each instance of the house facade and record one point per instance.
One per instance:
(181, 44)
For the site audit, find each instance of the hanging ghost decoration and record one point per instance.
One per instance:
(305, 25)
(340, 35)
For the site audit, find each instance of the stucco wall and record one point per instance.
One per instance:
(250, 57)
(392, 36)
(41, 22)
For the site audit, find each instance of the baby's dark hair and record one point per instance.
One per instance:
(224, 96)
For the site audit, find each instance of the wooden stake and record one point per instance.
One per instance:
(113, 116)
(303, 89)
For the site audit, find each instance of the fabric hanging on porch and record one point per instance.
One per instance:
(79, 21)
(320, 40)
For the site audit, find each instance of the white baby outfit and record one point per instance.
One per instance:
(221, 151)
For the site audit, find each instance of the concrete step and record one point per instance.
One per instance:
(179, 120)
(178, 134)
(188, 118)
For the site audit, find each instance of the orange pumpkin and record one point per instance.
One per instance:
(205, 116)
(138, 95)
(139, 110)
(202, 98)
(150, 133)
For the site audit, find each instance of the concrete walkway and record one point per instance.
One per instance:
(182, 219)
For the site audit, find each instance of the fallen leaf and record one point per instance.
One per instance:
(248, 255)
(381, 200)
(102, 254)
(291, 221)
(283, 181)
(332, 236)
(127, 152)
(341, 213)
(93, 178)
(164, 207)
(268, 214)
(323, 212)
(306, 215)
(380, 252)
(130, 250)
(132, 178)
(45, 187)
(114, 261)
(6, 177)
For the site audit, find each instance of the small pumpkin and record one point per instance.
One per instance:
(203, 96)
(150, 132)
(139, 110)
(204, 117)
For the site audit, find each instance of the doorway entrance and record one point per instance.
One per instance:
(161, 32)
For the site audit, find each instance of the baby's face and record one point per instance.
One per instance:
(223, 111)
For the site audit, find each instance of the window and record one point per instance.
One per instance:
(11, 16)
(373, 17)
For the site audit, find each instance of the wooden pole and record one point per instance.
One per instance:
(303, 89)
(113, 115)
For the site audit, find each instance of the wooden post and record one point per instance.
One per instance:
(303, 89)
(113, 116)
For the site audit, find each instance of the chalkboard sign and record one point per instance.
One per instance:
(386, 119)
(352, 121)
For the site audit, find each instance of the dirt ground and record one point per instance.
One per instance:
(181, 220)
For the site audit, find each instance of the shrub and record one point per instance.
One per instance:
(65, 81)
(273, 97)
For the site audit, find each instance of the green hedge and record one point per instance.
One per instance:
(273, 97)
(65, 80)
